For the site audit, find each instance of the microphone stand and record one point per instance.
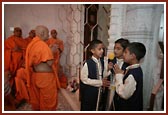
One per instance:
(98, 99)
(111, 92)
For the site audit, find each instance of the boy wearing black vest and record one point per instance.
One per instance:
(92, 80)
(119, 47)
(129, 85)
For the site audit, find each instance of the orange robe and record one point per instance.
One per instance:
(63, 81)
(28, 40)
(21, 88)
(62, 78)
(14, 59)
(52, 41)
(43, 92)
(42, 86)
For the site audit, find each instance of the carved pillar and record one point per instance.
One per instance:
(75, 45)
(115, 25)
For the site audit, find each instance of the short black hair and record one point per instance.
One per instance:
(138, 49)
(93, 44)
(123, 42)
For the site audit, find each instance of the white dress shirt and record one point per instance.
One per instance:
(94, 82)
(127, 89)
(120, 62)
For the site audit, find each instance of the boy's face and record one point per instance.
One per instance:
(127, 56)
(118, 50)
(98, 51)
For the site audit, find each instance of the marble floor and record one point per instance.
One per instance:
(67, 101)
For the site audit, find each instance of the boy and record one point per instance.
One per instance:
(129, 84)
(92, 78)
(119, 48)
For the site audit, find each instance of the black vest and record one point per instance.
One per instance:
(135, 102)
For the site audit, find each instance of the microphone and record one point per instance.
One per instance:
(110, 57)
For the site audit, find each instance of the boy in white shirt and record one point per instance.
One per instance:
(93, 78)
(129, 85)
(119, 47)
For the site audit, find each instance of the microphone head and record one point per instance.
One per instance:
(111, 56)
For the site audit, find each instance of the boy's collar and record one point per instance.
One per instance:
(119, 59)
(95, 59)
(133, 66)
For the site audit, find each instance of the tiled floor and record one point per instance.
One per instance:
(63, 104)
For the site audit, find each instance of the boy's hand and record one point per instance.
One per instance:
(110, 65)
(106, 83)
(117, 69)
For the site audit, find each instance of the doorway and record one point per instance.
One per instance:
(96, 25)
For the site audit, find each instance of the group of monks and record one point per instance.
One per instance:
(31, 69)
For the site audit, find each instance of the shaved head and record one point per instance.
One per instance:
(32, 34)
(53, 30)
(32, 31)
(42, 32)
(17, 29)
(54, 33)
(17, 32)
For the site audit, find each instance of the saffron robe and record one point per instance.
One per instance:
(41, 86)
(28, 40)
(14, 58)
(57, 54)
(21, 88)
(52, 41)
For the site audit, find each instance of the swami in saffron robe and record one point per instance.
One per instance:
(41, 85)
(14, 50)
